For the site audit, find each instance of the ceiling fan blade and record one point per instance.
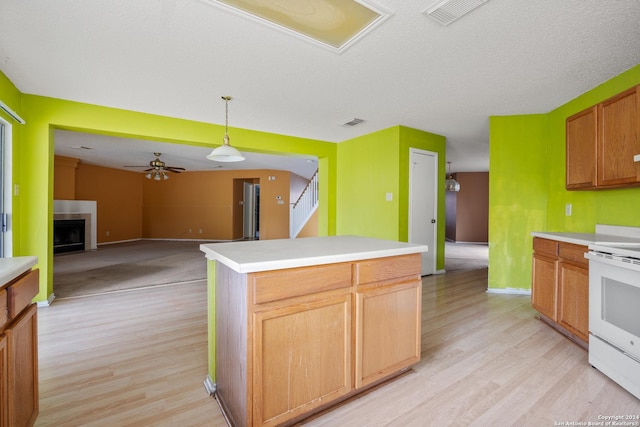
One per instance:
(172, 170)
(174, 167)
(136, 166)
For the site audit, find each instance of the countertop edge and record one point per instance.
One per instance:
(253, 267)
(10, 268)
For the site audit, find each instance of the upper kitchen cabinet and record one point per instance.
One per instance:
(602, 142)
(581, 149)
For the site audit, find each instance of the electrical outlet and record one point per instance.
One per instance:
(567, 209)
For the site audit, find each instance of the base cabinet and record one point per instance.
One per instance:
(19, 354)
(302, 357)
(560, 286)
(294, 341)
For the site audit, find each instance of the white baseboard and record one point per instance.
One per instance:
(509, 291)
(210, 386)
(48, 302)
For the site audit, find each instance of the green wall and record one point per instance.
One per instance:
(527, 186)
(379, 164)
(33, 147)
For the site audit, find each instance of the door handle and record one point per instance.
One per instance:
(433, 221)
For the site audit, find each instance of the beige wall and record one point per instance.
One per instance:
(190, 205)
(64, 182)
(467, 211)
(206, 205)
(119, 201)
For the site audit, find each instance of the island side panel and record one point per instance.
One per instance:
(231, 343)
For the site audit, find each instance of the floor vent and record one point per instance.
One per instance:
(353, 122)
(447, 11)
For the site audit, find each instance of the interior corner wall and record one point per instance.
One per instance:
(517, 196)
(204, 205)
(367, 171)
(118, 195)
(527, 186)
(33, 160)
(64, 180)
(375, 164)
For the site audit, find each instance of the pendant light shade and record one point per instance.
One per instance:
(226, 153)
(451, 184)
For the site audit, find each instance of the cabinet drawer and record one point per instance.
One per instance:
(4, 315)
(295, 282)
(385, 269)
(549, 247)
(573, 253)
(21, 292)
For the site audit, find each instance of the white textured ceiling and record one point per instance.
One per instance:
(177, 57)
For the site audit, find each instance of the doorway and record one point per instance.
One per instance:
(423, 204)
(251, 211)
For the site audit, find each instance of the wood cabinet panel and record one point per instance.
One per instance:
(21, 291)
(619, 136)
(573, 294)
(302, 358)
(601, 142)
(4, 310)
(4, 403)
(573, 253)
(22, 368)
(544, 286)
(560, 287)
(276, 285)
(545, 247)
(581, 149)
(381, 270)
(387, 346)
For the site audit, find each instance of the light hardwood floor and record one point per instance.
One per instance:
(139, 358)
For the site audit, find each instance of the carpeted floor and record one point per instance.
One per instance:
(144, 263)
(128, 265)
(465, 256)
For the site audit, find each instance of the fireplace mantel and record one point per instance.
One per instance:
(85, 209)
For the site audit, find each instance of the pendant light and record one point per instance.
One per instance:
(225, 152)
(451, 184)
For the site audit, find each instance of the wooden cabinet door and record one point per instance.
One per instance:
(573, 294)
(4, 422)
(544, 285)
(302, 356)
(22, 362)
(388, 329)
(619, 128)
(581, 149)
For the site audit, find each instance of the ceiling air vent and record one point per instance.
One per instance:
(353, 122)
(447, 11)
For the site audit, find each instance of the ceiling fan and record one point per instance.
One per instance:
(158, 169)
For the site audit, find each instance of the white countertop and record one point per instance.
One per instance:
(604, 235)
(10, 268)
(264, 255)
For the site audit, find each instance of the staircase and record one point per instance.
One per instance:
(304, 207)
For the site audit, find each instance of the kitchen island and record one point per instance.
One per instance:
(296, 326)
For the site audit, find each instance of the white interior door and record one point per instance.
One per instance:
(423, 204)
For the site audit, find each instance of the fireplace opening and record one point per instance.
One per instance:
(68, 235)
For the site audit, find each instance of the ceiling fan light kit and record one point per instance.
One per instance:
(158, 169)
(226, 153)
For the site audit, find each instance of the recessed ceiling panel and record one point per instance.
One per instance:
(333, 23)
